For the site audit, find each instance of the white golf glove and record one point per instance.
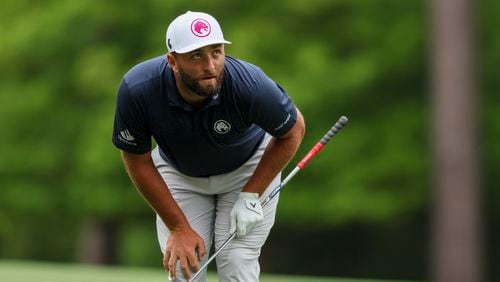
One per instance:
(246, 213)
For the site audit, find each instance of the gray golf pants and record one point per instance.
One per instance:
(207, 203)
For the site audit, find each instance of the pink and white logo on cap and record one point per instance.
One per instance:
(200, 28)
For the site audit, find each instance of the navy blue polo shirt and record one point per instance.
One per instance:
(214, 139)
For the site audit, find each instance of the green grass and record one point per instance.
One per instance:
(16, 271)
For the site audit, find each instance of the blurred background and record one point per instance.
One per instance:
(373, 204)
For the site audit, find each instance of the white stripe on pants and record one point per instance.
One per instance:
(207, 203)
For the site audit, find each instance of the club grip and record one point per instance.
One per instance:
(315, 150)
(334, 130)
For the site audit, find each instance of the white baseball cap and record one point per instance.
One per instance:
(193, 30)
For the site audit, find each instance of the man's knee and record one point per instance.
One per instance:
(239, 264)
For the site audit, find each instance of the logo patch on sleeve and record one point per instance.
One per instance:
(126, 137)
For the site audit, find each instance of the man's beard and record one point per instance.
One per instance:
(194, 86)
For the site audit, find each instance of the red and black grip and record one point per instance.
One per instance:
(334, 130)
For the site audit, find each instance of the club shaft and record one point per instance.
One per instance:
(233, 235)
(303, 163)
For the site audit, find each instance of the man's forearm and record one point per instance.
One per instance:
(150, 184)
(278, 153)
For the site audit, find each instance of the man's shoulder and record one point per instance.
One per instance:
(238, 65)
(243, 74)
(145, 71)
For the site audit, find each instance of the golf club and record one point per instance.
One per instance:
(303, 163)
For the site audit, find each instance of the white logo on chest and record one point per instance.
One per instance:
(222, 126)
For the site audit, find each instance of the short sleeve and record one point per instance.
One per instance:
(271, 107)
(130, 131)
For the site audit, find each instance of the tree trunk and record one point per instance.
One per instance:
(456, 215)
(97, 242)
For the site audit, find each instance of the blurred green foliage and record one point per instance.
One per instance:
(61, 63)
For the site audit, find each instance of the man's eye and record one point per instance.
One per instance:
(196, 56)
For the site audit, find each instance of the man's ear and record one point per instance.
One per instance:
(172, 61)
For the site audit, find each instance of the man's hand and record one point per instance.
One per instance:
(246, 213)
(185, 246)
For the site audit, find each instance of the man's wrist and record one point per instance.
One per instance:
(248, 195)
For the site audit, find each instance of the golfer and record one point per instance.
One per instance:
(223, 132)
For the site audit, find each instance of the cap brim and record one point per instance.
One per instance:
(193, 47)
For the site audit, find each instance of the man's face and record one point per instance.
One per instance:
(201, 70)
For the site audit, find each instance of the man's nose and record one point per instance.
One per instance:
(209, 64)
